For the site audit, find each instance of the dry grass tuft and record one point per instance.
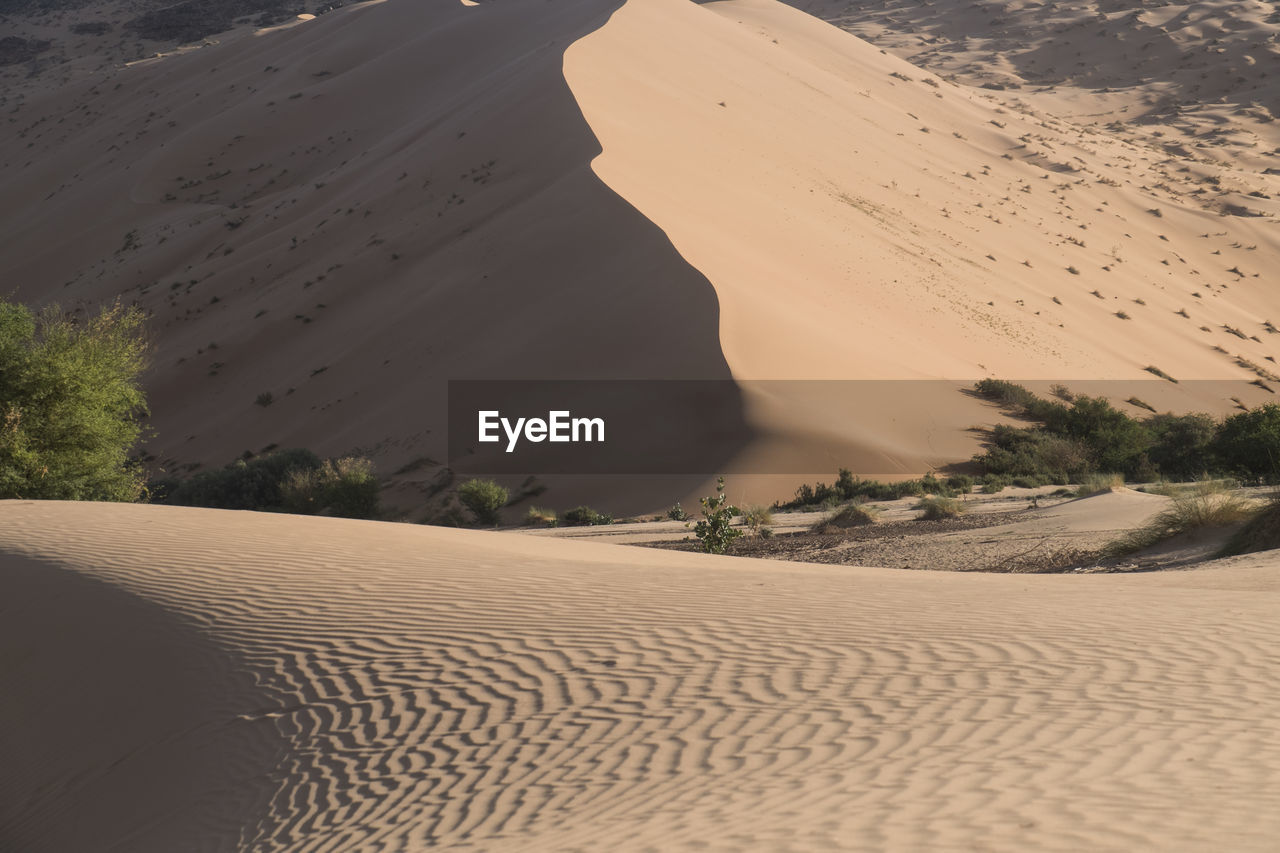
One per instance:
(850, 515)
(1204, 505)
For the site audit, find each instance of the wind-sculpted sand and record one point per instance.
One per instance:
(183, 679)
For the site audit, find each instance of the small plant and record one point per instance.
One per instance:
(677, 513)
(484, 499)
(936, 508)
(266, 398)
(585, 516)
(757, 516)
(537, 517)
(715, 530)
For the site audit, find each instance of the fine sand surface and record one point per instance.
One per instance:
(348, 212)
(184, 679)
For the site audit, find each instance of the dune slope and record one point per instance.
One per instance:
(477, 691)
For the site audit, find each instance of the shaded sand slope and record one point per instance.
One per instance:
(480, 691)
(344, 215)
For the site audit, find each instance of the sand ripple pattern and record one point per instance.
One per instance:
(464, 691)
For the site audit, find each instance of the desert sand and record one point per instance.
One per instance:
(188, 679)
(197, 679)
(347, 212)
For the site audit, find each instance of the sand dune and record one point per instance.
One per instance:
(347, 213)
(205, 680)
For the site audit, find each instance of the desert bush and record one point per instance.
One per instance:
(715, 530)
(851, 515)
(70, 404)
(935, 508)
(1096, 484)
(1197, 508)
(961, 484)
(254, 484)
(540, 516)
(677, 513)
(484, 499)
(1182, 447)
(1248, 444)
(583, 516)
(994, 483)
(344, 487)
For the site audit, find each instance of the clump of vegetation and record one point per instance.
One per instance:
(848, 487)
(484, 499)
(934, 508)
(756, 518)
(294, 480)
(677, 513)
(1096, 484)
(715, 530)
(538, 516)
(344, 487)
(583, 516)
(1248, 444)
(1207, 505)
(70, 404)
(850, 515)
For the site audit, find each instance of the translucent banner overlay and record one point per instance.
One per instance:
(678, 427)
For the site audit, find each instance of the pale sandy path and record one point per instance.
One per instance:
(479, 691)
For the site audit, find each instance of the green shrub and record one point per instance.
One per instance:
(677, 513)
(715, 530)
(960, 484)
(583, 516)
(253, 484)
(851, 515)
(994, 483)
(484, 499)
(70, 404)
(935, 508)
(1248, 444)
(345, 487)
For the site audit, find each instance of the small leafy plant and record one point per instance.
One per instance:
(715, 530)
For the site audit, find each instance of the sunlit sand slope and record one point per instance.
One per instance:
(364, 686)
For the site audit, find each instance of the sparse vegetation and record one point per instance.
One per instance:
(677, 513)
(344, 487)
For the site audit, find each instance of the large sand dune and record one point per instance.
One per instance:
(179, 679)
(350, 211)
